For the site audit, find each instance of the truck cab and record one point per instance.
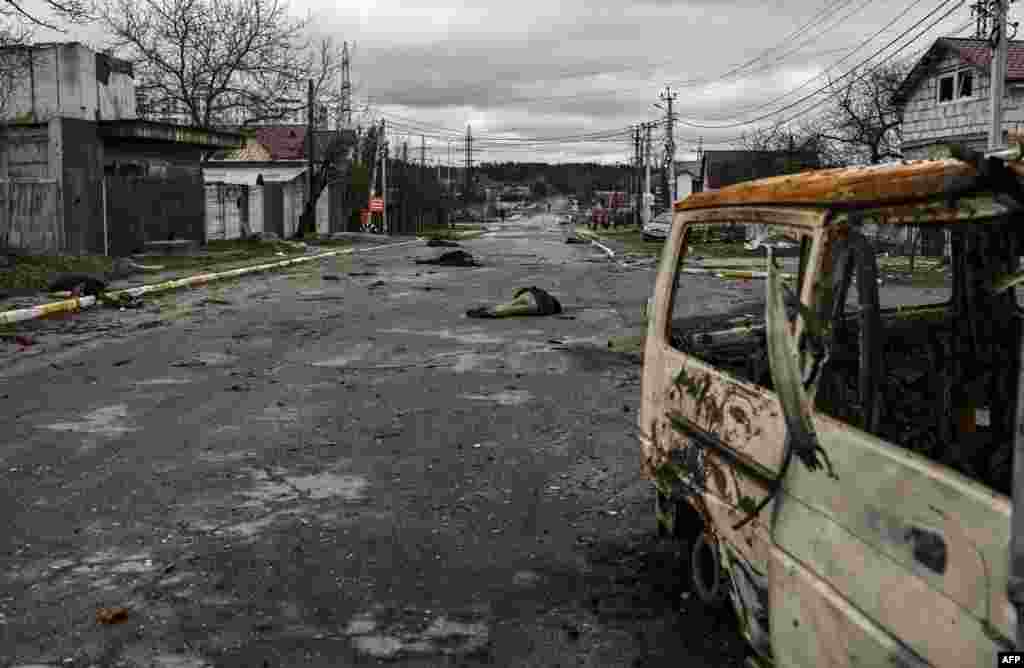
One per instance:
(837, 456)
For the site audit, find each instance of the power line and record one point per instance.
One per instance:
(829, 68)
(860, 77)
(848, 73)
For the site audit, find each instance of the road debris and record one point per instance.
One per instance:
(362, 273)
(452, 259)
(525, 301)
(20, 339)
(331, 277)
(78, 284)
(111, 615)
(575, 240)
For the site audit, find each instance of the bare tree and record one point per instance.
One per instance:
(16, 19)
(799, 140)
(221, 62)
(862, 119)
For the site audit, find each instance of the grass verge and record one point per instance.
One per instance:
(442, 232)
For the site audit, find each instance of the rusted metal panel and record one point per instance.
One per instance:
(878, 185)
(899, 504)
(813, 625)
(885, 589)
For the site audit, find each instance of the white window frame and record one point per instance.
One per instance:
(955, 75)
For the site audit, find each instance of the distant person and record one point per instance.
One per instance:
(502, 214)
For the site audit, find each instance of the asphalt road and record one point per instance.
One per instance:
(334, 466)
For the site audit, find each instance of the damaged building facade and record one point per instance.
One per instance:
(81, 173)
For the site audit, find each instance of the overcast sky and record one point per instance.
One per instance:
(547, 69)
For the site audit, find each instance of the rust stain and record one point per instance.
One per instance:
(877, 185)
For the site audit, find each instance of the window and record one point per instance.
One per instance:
(720, 321)
(944, 383)
(956, 85)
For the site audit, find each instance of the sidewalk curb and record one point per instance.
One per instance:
(594, 240)
(31, 313)
(717, 272)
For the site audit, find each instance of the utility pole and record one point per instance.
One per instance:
(635, 180)
(647, 175)
(384, 176)
(310, 113)
(449, 169)
(345, 113)
(1000, 47)
(405, 184)
(670, 142)
(469, 164)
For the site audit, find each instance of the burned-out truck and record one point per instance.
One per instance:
(844, 462)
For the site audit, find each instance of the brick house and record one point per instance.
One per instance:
(945, 96)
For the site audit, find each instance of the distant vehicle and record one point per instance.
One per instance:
(659, 227)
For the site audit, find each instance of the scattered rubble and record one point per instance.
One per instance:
(78, 284)
(111, 615)
(525, 301)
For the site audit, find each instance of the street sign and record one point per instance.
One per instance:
(376, 204)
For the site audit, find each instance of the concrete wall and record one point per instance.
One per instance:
(72, 81)
(927, 122)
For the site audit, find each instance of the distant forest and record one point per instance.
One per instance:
(579, 179)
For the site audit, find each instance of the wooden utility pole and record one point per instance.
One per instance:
(309, 142)
(384, 176)
(998, 83)
(670, 143)
(647, 175)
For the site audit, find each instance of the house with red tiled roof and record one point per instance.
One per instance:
(945, 96)
(269, 171)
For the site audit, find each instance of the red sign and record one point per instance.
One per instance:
(376, 204)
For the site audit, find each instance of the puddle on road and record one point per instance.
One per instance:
(356, 353)
(530, 362)
(328, 485)
(410, 638)
(216, 359)
(471, 336)
(109, 421)
(504, 398)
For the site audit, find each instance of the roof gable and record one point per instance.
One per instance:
(974, 52)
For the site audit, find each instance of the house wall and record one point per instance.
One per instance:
(227, 210)
(926, 123)
(68, 80)
(149, 159)
(26, 152)
(78, 152)
(323, 206)
(256, 209)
